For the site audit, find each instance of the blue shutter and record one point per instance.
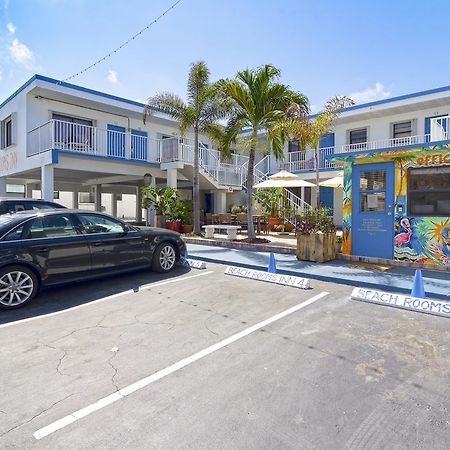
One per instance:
(327, 197)
(428, 124)
(327, 140)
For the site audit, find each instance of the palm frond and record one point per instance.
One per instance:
(198, 81)
(168, 103)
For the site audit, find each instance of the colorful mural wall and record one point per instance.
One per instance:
(421, 239)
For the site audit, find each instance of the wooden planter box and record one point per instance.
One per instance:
(316, 247)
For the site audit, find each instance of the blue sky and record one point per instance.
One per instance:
(369, 50)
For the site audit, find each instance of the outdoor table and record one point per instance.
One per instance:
(258, 220)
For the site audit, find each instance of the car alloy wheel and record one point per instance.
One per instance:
(16, 287)
(167, 257)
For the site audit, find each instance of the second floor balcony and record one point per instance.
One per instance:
(300, 161)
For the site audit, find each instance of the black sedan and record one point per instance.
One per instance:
(43, 248)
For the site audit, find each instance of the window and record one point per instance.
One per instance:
(358, 136)
(372, 185)
(294, 146)
(50, 226)
(7, 132)
(94, 223)
(85, 197)
(72, 133)
(43, 205)
(15, 234)
(402, 129)
(429, 191)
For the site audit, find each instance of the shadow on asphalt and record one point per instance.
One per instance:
(59, 298)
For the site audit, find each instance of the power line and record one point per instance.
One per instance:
(132, 38)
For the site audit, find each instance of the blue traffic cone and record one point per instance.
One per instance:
(417, 288)
(272, 264)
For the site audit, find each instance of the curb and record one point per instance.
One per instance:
(242, 246)
(376, 286)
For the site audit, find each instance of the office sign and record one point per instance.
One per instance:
(287, 280)
(423, 305)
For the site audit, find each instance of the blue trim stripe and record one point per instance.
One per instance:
(108, 158)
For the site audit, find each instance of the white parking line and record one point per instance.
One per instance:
(109, 297)
(105, 401)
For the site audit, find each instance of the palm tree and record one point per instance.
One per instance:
(309, 130)
(200, 113)
(259, 103)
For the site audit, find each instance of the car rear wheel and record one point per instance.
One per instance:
(18, 285)
(164, 258)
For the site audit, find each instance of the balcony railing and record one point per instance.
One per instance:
(77, 138)
(304, 161)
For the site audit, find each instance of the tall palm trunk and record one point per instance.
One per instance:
(196, 187)
(316, 167)
(250, 178)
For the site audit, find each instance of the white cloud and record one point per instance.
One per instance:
(11, 28)
(378, 92)
(112, 77)
(314, 109)
(21, 54)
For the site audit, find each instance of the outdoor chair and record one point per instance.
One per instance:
(241, 219)
(209, 218)
(215, 219)
(225, 219)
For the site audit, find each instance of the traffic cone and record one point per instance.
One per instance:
(272, 264)
(417, 288)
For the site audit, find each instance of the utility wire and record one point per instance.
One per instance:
(132, 38)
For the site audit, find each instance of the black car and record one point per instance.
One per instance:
(49, 247)
(13, 205)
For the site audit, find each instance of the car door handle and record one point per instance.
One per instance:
(43, 250)
(96, 244)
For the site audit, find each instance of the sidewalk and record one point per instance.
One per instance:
(395, 279)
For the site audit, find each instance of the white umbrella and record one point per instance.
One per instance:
(336, 182)
(283, 179)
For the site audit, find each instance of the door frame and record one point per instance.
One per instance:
(389, 202)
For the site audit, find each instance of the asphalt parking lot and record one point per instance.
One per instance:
(143, 361)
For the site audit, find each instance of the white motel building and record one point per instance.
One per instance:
(89, 149)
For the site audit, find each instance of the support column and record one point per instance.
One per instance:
(75, 200)
(151, 211)
(138, 204)
(98, 197)
(114, 204)
(28, 190)
(172, 178)
(47, 183)
(2, 186)
(220, 203)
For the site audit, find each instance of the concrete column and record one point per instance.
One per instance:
(172, 178)
(75, 200)
(28, 190)
(220, 202)
(47, 182)
(2, 186)
(138, 204)
(114, 204)
(128, 145)
(151, 211)
(338, 201)
(98, 197)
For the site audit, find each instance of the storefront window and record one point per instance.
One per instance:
(429, 191)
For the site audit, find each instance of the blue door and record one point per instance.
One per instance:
(326, 142)
(116, 141)
(139, 145)
(428, 125)
(326, 197)
(373, 210)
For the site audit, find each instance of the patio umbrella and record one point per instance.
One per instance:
(336, 182)
(283, 179)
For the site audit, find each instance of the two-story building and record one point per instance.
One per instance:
(86, 147)
(92, 149)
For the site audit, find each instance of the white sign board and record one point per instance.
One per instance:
(287, 280)
(437, 307)
(195, 264)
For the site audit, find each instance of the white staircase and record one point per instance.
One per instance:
(295, 206)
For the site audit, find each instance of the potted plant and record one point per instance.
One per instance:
(269, 200)
(160, 199)
(316, 236)
(176, 212)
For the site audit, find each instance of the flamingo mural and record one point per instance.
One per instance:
(405, 236)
